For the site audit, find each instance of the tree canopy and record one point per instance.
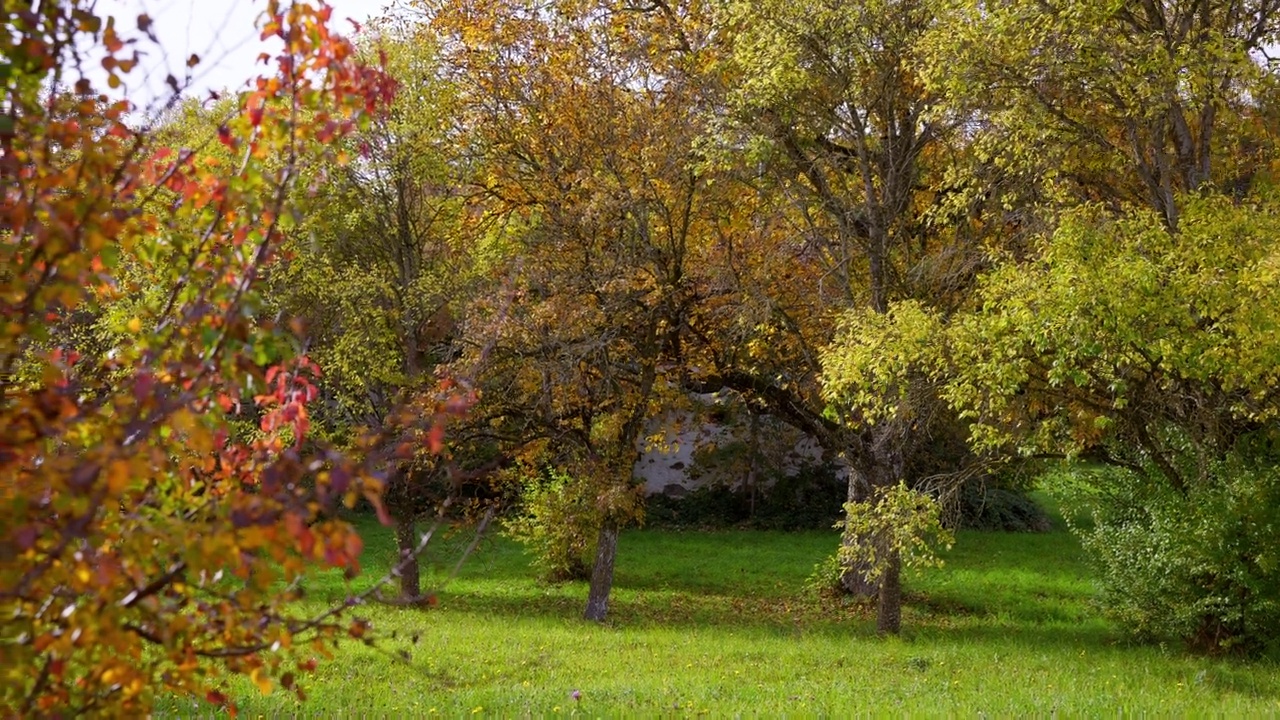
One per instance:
(1048, 228)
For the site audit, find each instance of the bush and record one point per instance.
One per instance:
(810, 499)
(813, 499)
(994, 508)
(824, 582)
(709, 506)
(558, 521)
(902, 522)
(1203, 567)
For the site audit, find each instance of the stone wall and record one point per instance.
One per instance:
(720, 441)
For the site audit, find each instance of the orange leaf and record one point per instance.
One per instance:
(435, 438)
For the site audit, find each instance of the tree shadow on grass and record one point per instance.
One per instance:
(774, 617)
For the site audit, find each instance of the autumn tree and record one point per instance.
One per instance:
(378, 270)
(1134, 331)
(827, 100)
(588, 118)
(1118, 105)
(144, 543)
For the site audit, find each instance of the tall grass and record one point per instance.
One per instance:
(717, 623)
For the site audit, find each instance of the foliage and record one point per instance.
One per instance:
(1110, 103)
(869, 369)
(380, 265)
(587, 140)
(1155, 352)
(1119, 324)
(896, 522)
(824, 581)
(144, 547)
(991, 507)
(1201, 568)
(558, 521)
(808, 499)
(1138, 329)
(715, 505)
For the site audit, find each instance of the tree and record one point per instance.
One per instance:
(1121, 105)
(907, 525)
(587, 116)
(142, 539)
(379, 271)
(1135, 332)
(1155, 353)
(829, 98)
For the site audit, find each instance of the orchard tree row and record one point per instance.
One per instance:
(1051, 228)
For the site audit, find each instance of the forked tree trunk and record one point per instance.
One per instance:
(406, 544)
(602, 572)
(889, 611)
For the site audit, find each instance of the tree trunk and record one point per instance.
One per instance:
(883, 466)
(602, 572)
(406, 543)
(889, 612)
(853, 575)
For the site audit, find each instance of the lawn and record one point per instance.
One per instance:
(718, 623)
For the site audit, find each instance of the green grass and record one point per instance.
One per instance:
(717, 623)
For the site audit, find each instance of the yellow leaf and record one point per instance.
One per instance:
(260, 679)
(135, 325)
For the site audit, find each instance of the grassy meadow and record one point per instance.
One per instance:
(718, 623)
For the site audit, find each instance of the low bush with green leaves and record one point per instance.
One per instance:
(1201, 567)
(558, 522)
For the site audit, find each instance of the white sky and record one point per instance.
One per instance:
(221, 32)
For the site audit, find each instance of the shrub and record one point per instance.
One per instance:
(709, 506)
(810, 499)
(813, 499)
(990, 507)
(824, 581)
(558, 521)
(1203, 567)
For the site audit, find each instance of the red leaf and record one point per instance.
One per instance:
(435, 438)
